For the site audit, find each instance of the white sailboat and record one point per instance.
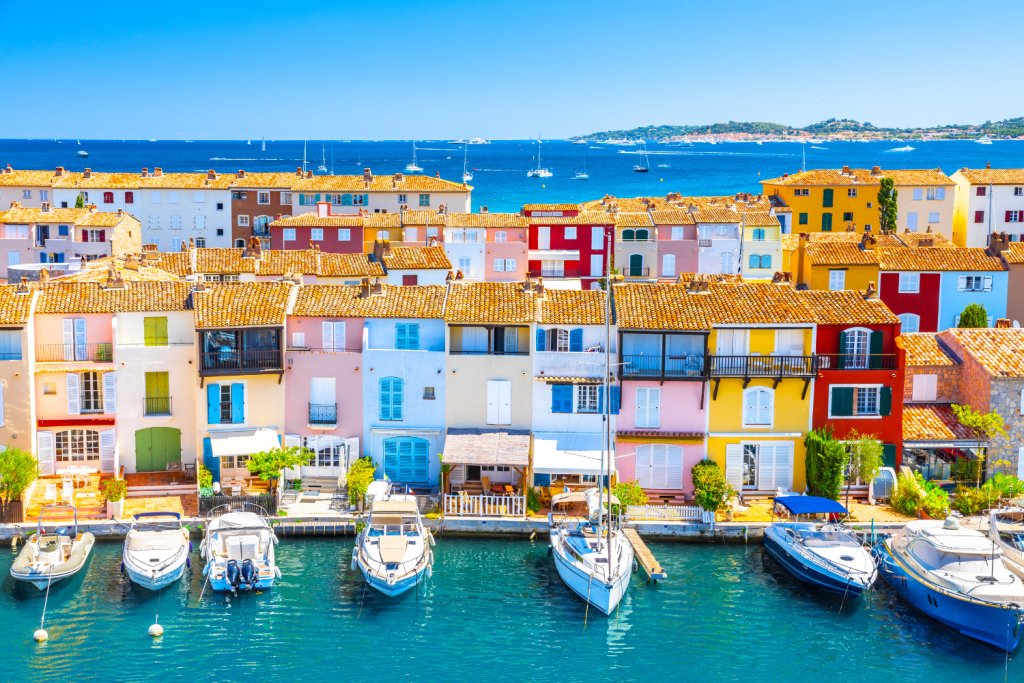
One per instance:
(264, 143)
(585, 173)
(322, 168)
(393, 551)
(538, 172)
(466, 175)
(413, 168)
(645, 164)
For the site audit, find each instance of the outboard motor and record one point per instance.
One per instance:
(234, 576)
(249, 574)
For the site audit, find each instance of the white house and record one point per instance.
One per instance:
(988, 200)
(417, 265)
(379, 194)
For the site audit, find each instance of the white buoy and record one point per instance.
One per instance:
(156, 630)
(40, 635)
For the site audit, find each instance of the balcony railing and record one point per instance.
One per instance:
(231, 360)
(648, 365)
(323, 414)
(763, 366)
(546, 272)
(59, 353)
(159, 405)
(459, 352)
(847, 361)
(636, 271)
(261, 231)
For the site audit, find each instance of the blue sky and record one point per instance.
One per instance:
(446, 68)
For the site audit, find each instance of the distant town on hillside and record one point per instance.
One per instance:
(831, 129)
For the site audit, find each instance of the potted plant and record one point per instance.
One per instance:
(114, 491)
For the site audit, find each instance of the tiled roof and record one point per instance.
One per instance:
(583, 218)
(912, 239)
(176, 262)
(14, 307)
(658, 307)
(489, 302)
(709, 213)
(423, 217)
(487, 220)
(936, 422)
(90, 297)
(994, 176)
(938, 260)
(715, 278)
(378, 183)
(346, 302)
(294, 261)
(241, 304)
(106, 181)
(103, 219)
(311, 219)
(634, 220)
(847, 307)
(185, 181)
(759, 219)
(49, 368)
(282, 181)
(26, 214)
(840, 254)
(417, 258)
(826, 176)
(224, 260)
(383, 220)
(96, 271)
(27, 178)
(672, 217)
(552, 379)
(924, 176)
(344, 265)
(552, 207)
(572, 307)
(1014, 253)
(790, 242)
(1001, 351)
(923, 349)
(765, 304)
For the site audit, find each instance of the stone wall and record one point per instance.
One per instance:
(1006, 400)
(947, 383)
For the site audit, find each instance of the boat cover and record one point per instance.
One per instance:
(810, 505)
(392, 549)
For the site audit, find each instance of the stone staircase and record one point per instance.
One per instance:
(85, 514)
(328, 485)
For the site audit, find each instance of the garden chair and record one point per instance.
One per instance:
(68, 491)
(51, 494)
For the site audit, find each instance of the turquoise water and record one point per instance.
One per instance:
(495, 610)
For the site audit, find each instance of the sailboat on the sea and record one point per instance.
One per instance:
(585, 173)
(538, 172)
(645, 164)
(264, 143)
(466, 175)
(322, 168)
(413, 168)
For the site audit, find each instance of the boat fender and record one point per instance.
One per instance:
(355, 554)
(275, 539)
(430, 571)
(190, 546)
(277, 572)
(188, 562)
(635, 566)
(206, 569)
(430, 536)
(156, 630)
(551, 550)
(40, 635)
(202, 549)
(122, 566)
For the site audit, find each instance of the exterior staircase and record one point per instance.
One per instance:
(328, 485)
(85, 514)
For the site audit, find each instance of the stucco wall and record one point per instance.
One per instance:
(953, 301)
(18, 428)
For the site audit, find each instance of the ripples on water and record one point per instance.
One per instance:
(495, 609)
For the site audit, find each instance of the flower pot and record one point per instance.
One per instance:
(728, 515)
(921, 514)
(114, 510)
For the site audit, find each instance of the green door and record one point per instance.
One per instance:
(155, 447)
(636, 265)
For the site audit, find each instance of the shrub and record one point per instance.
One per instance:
(1006, 485)
(825, 461)
(971, 501)
(907, 498)
(935, 502)
(974, 315)
(114, 490)
(205, 477)
(360, 475)
(629, 493)
(206, 492)
(532, 500)
(711, 490)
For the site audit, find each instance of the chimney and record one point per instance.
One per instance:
(212, 175)
(485, 210)
(158, 172)
(926, 242)
(9, 169)
(45, 207)
(399, 178)
(145, 173)
(44, 275)
(59, 172)
(997, 243)
(131, 262)
(438, 174)
(387, 247)
(240, 174)
(378, 289)
(364, 288)
(868, 242)
(458, 275)
(378, 252)
(988, 166)
(1003, 324)
(199, 288)
(433, 242)
(184, 246)
(851, 227)
(870, 293)
(254, 249)
(538, 287)
(441, 209)
(876, 170)
(298, 171)
(309, 174)
(367, 176)
(846, 170)
(87, 173)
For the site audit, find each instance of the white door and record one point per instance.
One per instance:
(543, 237)
(499, 402)
(327, 457)
(596, 265)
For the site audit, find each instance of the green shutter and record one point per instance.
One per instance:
(826, 222)
(302, 199)
(885, 401)
(144, 450)
(876, 340)
(155, 331)
(841, 361)
(889, 455)
(842, 401)
(803, 219)
(826, 198)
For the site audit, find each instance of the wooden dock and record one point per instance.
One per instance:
(645, 556)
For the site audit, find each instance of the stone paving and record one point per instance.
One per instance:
(186, 506)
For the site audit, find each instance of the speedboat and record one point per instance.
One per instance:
(393, 551)
(82, 153)
(49, 557)
(956, 576)
(1006, 530)
(984, 140)
(828, 556)
(239, 549)
(479, 141)
(156, 552)
(595, 562)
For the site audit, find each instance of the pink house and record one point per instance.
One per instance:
(677, 243)
(507, 242)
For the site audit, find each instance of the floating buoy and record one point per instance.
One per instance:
(543, 185)
(40, 635)
(156, 630)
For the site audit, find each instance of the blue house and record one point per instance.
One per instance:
(980, 278)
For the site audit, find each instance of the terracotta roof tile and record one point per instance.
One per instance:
(672, 217)
(422, 217)
(115, 181)
(1001, 351)
(995, 176)
(487, 220)
(552, 379)
(923, 349)
(847, 307)
(840, 254)
(28, 214)
(90, 297)
(27, 178)
(1014, 253)
(222, 261)
(583, 218)
(378, 183)
(241, 304)
(96, 271)
(923, 176)
(935, 422)
(790, 242)
(417, 258)
(344, 265)
(283, 181)
(658, 307)
(912, 239)
(176, 262)
(759, 219)
(185, 181)
(311, 219)
(862, 176)
(552, 207)
(634, 220)
(572, 307)
(378, 221)
(489, 302)
(14, 307)
(346, 302)
(925, 259)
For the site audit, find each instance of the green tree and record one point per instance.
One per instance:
(826, 457)
(79, 201)
(887, 195)
(360, 475)
(982, 427)
(864, 459)
(18, 469)
(268, 465)
(974, 316)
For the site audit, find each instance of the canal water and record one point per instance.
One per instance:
(495, 610)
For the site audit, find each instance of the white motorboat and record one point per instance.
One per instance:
(592, 557)
(984, 140)
(156, 549)
(1006, 530)
(413, 168)
(239, 549)
(460, 141)
(479, 141)
(49, 557)
(393, 551)
(82, 153)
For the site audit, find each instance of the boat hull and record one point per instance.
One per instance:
(381, 585)
(602, 596)
(161, 580)
(67, 569)
(812, 574)
(994, 624)
(222, 585)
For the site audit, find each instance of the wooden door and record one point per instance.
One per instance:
(155, 447)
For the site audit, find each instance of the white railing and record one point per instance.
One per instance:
(669, 513)
(485, 506)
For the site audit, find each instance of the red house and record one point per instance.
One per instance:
(860, 369)
(566, 243)
(332, 233)
(912, 294)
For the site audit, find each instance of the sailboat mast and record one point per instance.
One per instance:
(608, 393)
(303, 155)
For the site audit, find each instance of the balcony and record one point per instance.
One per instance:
(157, 406)
(241, 352)
(650, 366)
(233, 361)
(555, 272)
(323, 414)
(874, 361)
(261, 231)
(636, 271)
(85, 353)
(763, 366)
(703, 243)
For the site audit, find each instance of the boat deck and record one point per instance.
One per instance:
(645, 556)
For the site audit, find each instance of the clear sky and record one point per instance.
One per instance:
(499, 69)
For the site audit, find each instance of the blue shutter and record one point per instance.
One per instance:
(766, 261)
(43, 258)
(754, 261)
(561, 398)
(421, 460)
(541, 479)
(317, 196)
(391, 458)
(414, 337)
(346, 200)
(302, 199)
(576, 340)
(401, 336)
(600, 400)
(385, 400)
(366, 199)
(405, 460)
(213, 404)
(396, 398)
(540, 339)
(616, 399)
(237, 403)
(209, 462)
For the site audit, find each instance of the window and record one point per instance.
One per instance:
(91, 393)
(847, 401)
(288, 234)
(933, 216)
(826, 198)
(826, 222)
(424, 200)
(407, 336)
(721, 230)
(200, 242)
(286, 198)
(13, 258)
(333, 336)
(510, 265)
(847, 216)
(979, 216)
(586, 398)
(77, 445)
(499, 265)
(925, 387)
(200, 222)
(428, 393)
(95, 236)
(344, 234)
(199, 197)
(803, 219)
(1018, 192)
(918, 194)
(852, 192)
(499, 402)
(867, 401)
(129, 197)
(758, 404)
(155, 330)
(648, 407)
(974, 283)
(596, 265)
(597, 237)
(262, 197)
(980, 192)
(912, 221)
(570, 232)
(754, 261)
(108, 197)
(677, 232)
(930, 194)
(26, 194)
(382, 234)
(867, 227)
(910, 323)
(668, 265)
(402, 199)
(836, 280)
(298, 340)
(49, 388)
(316, 234)
(855, 345)
(1013, 216)
(758, 234)
(500, 237)
(766, 260)
(243, 221)
(411, 234)
(910, 282)
(750, 465)
(555, 339)
(172, 197)
(727, 262)
(10, 347)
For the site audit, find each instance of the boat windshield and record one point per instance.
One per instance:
(828, 539)
(1013, 539)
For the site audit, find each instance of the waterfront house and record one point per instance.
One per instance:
(411, 266)
(380, 193)
(28, 188)
(502, 257)
(256, 198)
(17, 351)
(340, 233)
(988, 201)
(636, 246)
(761, 251)
(567, 244)
(718, 235)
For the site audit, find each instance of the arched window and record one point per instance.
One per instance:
(392, 396)
(758, 407)
(668, 265)
(77, 445)
(766, 260)
(407, 460)
(642, 235)
(628, 235)
(855, 345)
(556, 339)
(108, 197)
(911, 323)
(382, 234)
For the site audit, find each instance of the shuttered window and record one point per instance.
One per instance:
(391, 398)
(155, 331)
(826, 222)
(407, 336)
(758, 404)
(826, 198)
(659, 466)
(561, 398)
(406, 460)
(648, 407)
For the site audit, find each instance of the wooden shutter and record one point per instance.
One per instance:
(397, 397)
(616, 400)
(108, 450)
(783, 466)
(238, 403)
(841, 361)
(842, 401)
(885, 401)
(876, 342)
(109, 393)
(385, 398)
(80, 347)
(961, 283)
(339, 336)
(405, 460)
(576, 340)
(734, 465)
(988, 283)
(149, 326)
(67, 326)
(209, 461)
(493, 399)
(765, 407)
(766, 467)
(654, 407)
(641, 407)
(391, 458)
(413, 332)
(750, 407)
(659, 463)
(401, 336)
(74, 397)
(505, 403)
(561, 398)
(44, 453)
(328, 336)
(643, 465)
(540, 339)
(826, 198)
(673, 467)
(213, 404)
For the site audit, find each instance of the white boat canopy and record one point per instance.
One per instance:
(243, 441)
(393, 506)
(558, 453)
(576, 497)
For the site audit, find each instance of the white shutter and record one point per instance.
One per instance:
(68, 327)
(596, 265)
(765, 407)
(352, 451)
(961, 283)
(988, 284)
(597, 237)
(322, 391)
(734, 465)
(44, 453)
(674, 467)
(784, 466)
(339, 336)
(109, 393)
(766, 467)
(641, 407)
(659, 457)
(74, 402)
(749, 407)
(108, 446)
(925, 387)
(81, 352)
(328, 342)
(543, 237)
(505, 403)
(643, 465)
(493, 396)
(298, 340)
(654, 407)
(457, 475)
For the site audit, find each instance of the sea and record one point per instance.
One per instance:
(499, 168)
(494, 610)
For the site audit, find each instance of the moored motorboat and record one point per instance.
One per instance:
(1006, 530)
(956, 576)
(393, 552)
(239, 549)
(156, 549)
(828, 556)
(49, 557)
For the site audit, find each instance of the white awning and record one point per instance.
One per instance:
(243, 441)
(553, 255)
(565, 453)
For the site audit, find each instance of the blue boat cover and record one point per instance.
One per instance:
(810, 505)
